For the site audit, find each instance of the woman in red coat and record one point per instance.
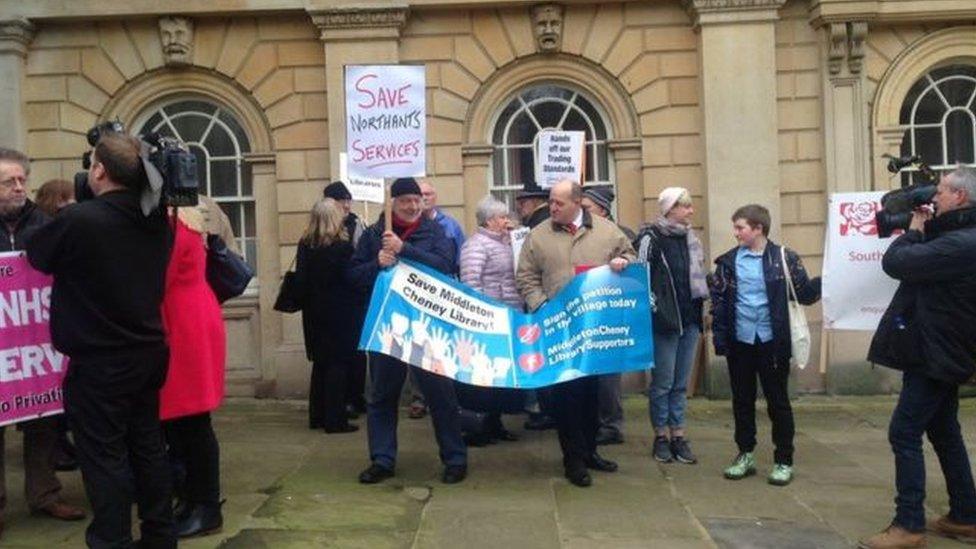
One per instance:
(195, 380)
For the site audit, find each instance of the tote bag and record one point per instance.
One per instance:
(799, 331)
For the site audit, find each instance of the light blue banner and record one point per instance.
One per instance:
(599, 323)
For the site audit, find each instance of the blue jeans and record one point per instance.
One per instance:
(387, 376)
(673, 357)
(929, 406)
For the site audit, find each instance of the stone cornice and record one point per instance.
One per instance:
(15, 36)
(360, 22)
(824, 12)
(732, 11)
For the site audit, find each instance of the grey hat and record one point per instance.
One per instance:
(601, 196)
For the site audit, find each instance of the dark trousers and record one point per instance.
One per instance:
(113, 410)
(356, 382)
(746, 362)
(577, 409)
(193, 446)
(386, 377)
(928, 406)
(327, 391)
(41, 485)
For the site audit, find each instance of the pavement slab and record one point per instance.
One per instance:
(287, 486)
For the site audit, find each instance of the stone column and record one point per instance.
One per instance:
(475, 163)
(354, 36)
(630, 181)
(737, 45)
(15, 36)
(846, 147)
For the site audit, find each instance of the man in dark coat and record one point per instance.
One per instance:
(20, 220)
(929, 332)
(421, 239)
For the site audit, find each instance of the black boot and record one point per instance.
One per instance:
(202, 519)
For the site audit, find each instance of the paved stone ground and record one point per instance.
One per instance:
(289, 487)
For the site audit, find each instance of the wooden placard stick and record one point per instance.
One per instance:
(388, 205)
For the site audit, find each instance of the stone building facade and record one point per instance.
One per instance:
(772, 101)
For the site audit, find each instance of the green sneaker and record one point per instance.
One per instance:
(743, 466)
(781, 475)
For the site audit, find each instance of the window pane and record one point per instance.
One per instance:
(959, 137)
(236, 129)
(576, 122)
(498, 168)
(957, 91)
(165, 131)
(603, 163)
(202, 172)
(247, 183)
(223, 178)
(190, 126)
(523, 130)
(930, 109)
(150, 125)
(546, 91)
(910, 99)
(928, 144)
(233, 213)
(520, 166)
(190, 105)
(250, 249)
(219, 142)
(250, 228)
(503, 118)
(594, 116)
(549, 113)
(953, 70)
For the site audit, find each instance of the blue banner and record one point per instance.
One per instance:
(599, 323)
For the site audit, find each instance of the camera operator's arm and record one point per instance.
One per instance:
(50, 245)
(911, 259)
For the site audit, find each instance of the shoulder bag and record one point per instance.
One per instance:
(799, 330)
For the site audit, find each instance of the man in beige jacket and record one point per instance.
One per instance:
(570, 242)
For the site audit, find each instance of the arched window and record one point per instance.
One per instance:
(940, 113)
(548, 106)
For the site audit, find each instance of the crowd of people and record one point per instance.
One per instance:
(147, 370)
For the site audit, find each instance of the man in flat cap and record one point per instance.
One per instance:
(419, 238)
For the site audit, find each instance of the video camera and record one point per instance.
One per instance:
(165, 159)
(897, 205)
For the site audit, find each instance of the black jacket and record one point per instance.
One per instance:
(109, 266)
(332, 311)
(28, 221)
(669, 262)
(930, 325)
(723, 285)
(428, 245)
(538, 216)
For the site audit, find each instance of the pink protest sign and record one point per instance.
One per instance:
(30, 369)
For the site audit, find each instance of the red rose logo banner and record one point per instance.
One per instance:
(859, 218)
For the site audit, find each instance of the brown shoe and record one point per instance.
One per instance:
(946, 527)
(61, 511)
(893, 537)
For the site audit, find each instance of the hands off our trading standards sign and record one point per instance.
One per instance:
(598, 324)
(559, 155)
(366, 189)
(31, 370)
(386, 122)
(856, 291)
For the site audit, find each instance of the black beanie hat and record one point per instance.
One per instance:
(337, 190)
(404, 185)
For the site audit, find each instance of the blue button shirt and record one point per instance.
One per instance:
(751, 302)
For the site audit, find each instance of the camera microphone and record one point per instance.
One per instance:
(897, 164)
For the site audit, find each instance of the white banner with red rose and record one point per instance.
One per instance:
(856, 291)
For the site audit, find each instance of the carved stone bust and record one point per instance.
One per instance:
(547, 21)
(176, 34)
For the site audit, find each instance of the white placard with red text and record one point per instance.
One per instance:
(386, 120)
(856, 291)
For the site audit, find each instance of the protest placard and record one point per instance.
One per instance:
(386, 121)
(361, 188)
(856, 291)
(31, 370)
(517, 238)
(598, 324)
(559, 155)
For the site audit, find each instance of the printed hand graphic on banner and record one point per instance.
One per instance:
(441, 358)
(386, 338)
(482, 372)
(502, 365)
(464, 349)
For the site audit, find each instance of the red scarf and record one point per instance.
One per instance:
(404, 229)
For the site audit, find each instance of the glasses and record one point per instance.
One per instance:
(12, 182)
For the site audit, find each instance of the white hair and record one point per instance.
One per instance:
(964, 179)
(488, 208)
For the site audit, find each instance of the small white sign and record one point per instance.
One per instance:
(856, 291)
(558, 155)
(517, 237)
(362, 188)
(386, 120)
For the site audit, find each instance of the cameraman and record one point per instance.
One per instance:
(929, 332)
(109, 262)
